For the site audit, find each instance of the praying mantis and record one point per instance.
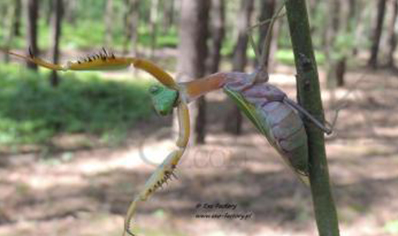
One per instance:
(270, 110)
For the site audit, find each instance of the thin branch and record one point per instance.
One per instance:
(309, 96)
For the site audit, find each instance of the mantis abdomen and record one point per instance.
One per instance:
(264, 105)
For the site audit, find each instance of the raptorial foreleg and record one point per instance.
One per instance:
(161, 176)
(166, 170)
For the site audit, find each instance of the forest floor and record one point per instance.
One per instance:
(83, 192)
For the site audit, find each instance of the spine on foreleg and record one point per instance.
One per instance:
(162, 174)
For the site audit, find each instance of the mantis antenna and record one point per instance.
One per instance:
(261, 57)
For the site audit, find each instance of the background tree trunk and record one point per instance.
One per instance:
(48, 10)
(153, 23)
(267, 12)
(56, 33)
(9, 29)
(192, 53)
(108, 23)
(392, 35)
(33, 15)
(381, 7)
(312, 7)
(331, 35)
(352, 7)
(70, 11)
(217, 35)
(168, 14)
(17, 17)
(341, 67)
(309, 96)
(362, 13)
(131, 26)
(233, 121)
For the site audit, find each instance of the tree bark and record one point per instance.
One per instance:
(217, 35)
(233, 121)
(392, 35)
(309, 96)
(56, 33)
(192, 53)
(33, 15)
(381, 7)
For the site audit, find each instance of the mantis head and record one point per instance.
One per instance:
(163, 99)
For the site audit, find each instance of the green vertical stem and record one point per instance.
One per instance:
(309, 96)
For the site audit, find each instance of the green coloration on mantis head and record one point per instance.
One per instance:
(163, 99)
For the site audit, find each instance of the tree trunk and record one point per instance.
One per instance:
(352, 7)
(309, 96)
(312, 7)
(48, 11)
(240, 58)
(332, 32)
(392, 35)
(17, 18)
(56, 33)
(362, 13)
(192, 53)
(153, 24)
(33, 15)
(217, 35)
(127, 25)
(341, 66)
(70, 11)
(9, 29)
(3, 16)
(381, 7)
(168, 19)
(233, 121)
(108, 23)
(131, 26)
(267, 12)
(217, 20)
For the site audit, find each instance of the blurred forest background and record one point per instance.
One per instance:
(75, 146)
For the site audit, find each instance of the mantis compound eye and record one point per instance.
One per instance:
(155, 89)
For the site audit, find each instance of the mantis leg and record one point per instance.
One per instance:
(308, 115)
(166, 170)
(36, 60)
(104, 61)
